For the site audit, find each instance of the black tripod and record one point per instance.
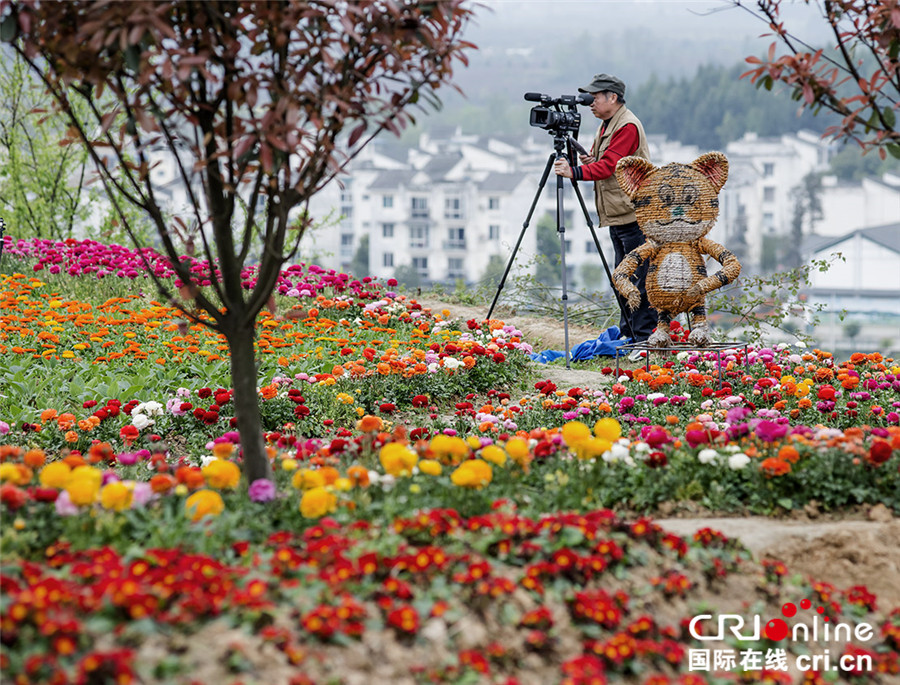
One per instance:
(562, 148)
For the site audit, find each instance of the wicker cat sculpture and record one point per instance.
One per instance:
(676, 206)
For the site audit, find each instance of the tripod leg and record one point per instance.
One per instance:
(626, 313)
(561, 229)
(512, 257)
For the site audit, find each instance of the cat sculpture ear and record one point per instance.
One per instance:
(713, 165)
(631, 173)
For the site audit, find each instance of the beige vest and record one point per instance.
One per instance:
(613, 206)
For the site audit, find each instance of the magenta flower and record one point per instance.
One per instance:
(769, 431)
(261, 490)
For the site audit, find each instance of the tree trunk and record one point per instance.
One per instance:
(246, 404)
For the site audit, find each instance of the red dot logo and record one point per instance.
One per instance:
(789, 610)
(776, 629)
(805, 604)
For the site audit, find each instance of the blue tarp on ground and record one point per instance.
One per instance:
(603, 346)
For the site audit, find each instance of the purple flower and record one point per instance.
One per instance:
(64, 506)
(261, 490)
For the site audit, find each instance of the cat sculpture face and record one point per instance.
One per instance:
(675, 203)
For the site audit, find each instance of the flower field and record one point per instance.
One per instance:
(440, 512)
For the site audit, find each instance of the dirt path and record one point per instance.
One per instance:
(843, 553)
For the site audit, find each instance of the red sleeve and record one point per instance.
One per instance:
(624, 142)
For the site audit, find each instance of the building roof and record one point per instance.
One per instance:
(500, 182)
(392, 179)
(886, 235)
(440, 165)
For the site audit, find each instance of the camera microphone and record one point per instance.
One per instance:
(534, 97)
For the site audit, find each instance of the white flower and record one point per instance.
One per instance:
(206, 459)
(433, 367)
(681, 356)
(153, 409)
(655, 396)
(623, 379)
(707, 456)
(738, 461)
(800, 344)
(452, 363)
(641, 447)
(140, 421)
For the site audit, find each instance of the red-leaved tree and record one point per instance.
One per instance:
(858, 77)
(258, 103)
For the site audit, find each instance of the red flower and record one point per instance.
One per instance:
(879, 452)
(826, 392)
(12, 496)
(419, 401)
(405, 619)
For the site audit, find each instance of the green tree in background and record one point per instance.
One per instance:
(547, 270)
(359, 266)
(714, 108)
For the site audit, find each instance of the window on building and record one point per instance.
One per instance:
(455, 268)
(589, 246)
(419, 207)
(769, 194)
(387, 230)
(346, 239)
(418, 236)
(493, 203)
(453, 208)
(456, 238)
(420, 264)
(494, 232)
(769, 222)
(387, 259)
(387, 201)
(768, 169)
(568, 244)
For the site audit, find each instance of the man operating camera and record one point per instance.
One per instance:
(621, 134)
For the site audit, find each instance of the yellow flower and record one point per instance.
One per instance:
(289, 464)
(802, 390)
(317, 502)
(307, 479)
(116, 496)
(517, 449)
(397, 459)
(494, 454)
(474, 442)
(592, 448)
(430, 467)
(14, 473)
(55, 475)
(448, 449)
(343, 484)
(84, 485)
(221, 474)
(474, 473)
(575, 432)
(204, 503)
(608, 429)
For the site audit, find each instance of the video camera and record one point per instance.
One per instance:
(556, 119)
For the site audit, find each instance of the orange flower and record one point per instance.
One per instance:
(370, 424)
(35, 458)
(358, 475)
(48, 414)
(789, 454)
(773, 466)
(162, 482)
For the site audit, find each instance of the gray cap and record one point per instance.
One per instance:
(605, 82)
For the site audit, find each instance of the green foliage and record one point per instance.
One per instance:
(359, 266)
(753, 307)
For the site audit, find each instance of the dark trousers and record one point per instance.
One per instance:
(626, 238)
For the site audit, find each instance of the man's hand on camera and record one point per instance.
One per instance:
(562, 168)
(586, 159)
